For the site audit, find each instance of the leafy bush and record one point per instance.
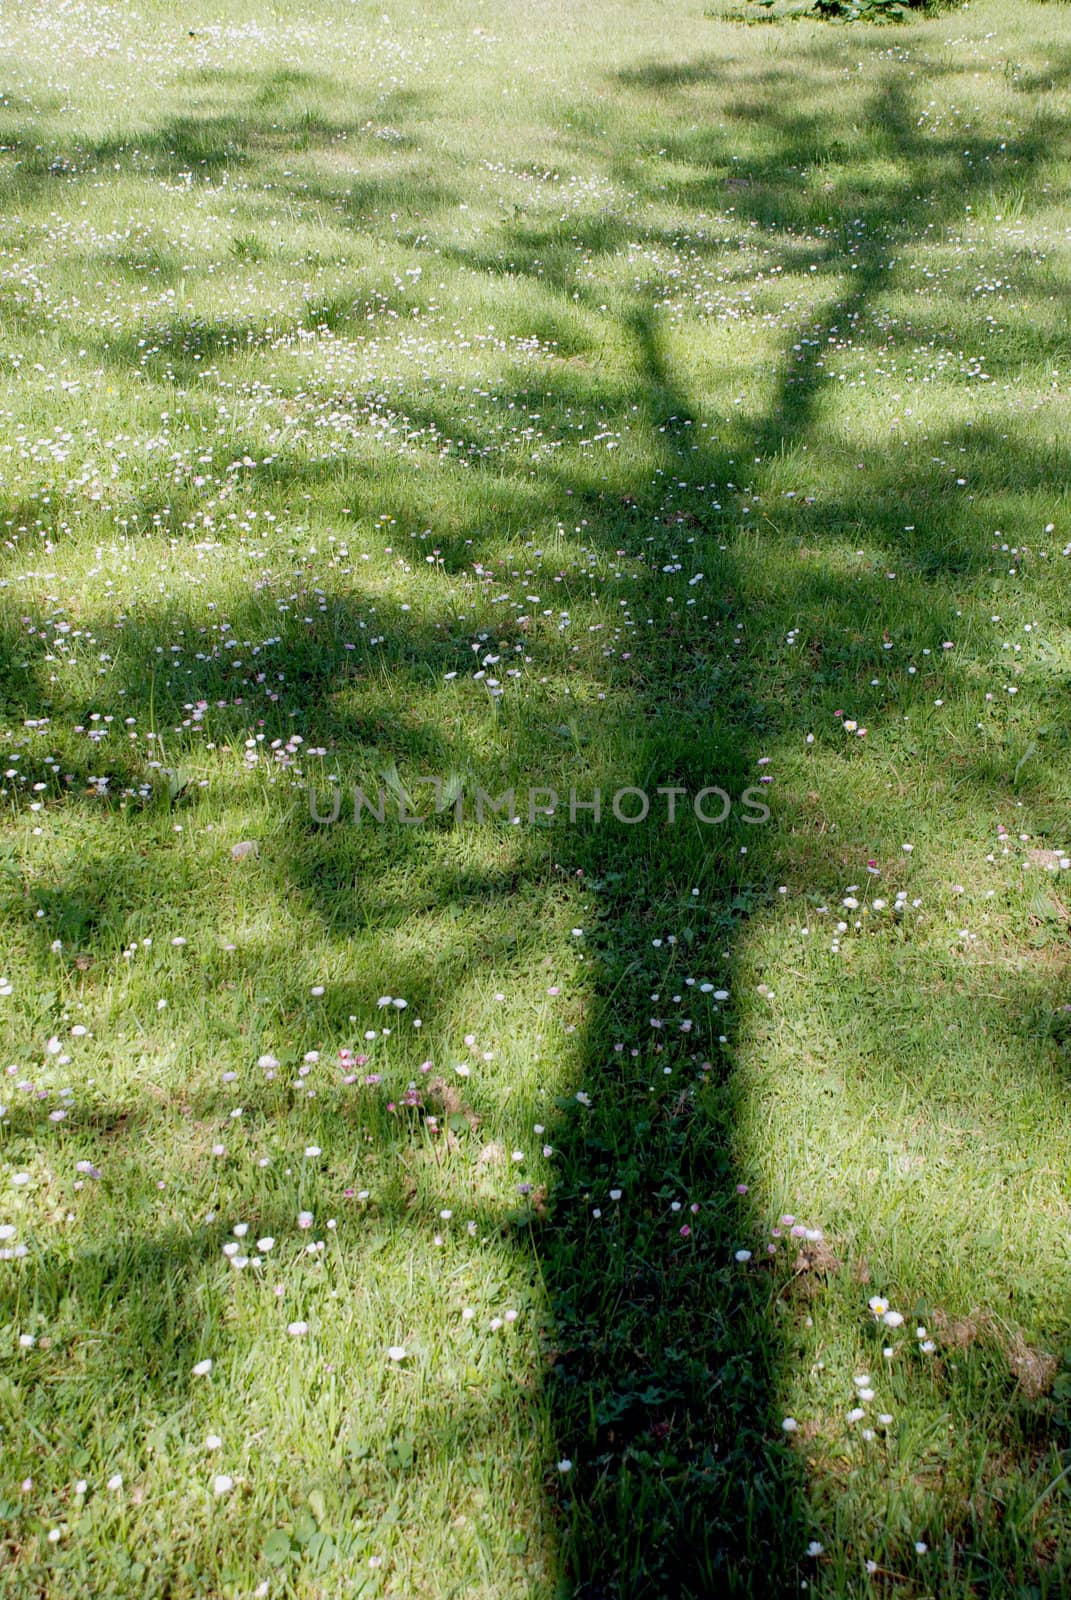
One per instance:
(858, 10)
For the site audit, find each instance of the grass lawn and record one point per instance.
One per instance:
(549, 399)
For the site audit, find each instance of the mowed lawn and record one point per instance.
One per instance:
(530, 1203)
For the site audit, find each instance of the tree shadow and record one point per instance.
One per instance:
(667, 1355)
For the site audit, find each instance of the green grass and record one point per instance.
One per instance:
(558, 398)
